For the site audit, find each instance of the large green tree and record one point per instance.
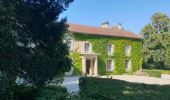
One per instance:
(156, 41)
(8, 50)
(31, 42)
(40, 38)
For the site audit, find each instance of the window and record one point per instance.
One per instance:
(87, 47)
(109, 65)
(127, 50)
(109, 49)
(127, 64)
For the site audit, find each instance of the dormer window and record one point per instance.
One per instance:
(87, 47)
(127, 50)
(110, 49)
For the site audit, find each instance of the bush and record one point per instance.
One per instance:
(52, 93)
(45, 93)
(154, 73)
(110, 89)
(24, 93)
(165, 72)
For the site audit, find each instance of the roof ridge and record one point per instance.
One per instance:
(102, 31)
(101, 27)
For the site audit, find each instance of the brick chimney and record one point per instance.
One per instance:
(105, 24)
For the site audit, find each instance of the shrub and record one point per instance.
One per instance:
(110, 89)
(154, 73)
(45, 93)
(24, 93)
(52, 93)
(165, 72)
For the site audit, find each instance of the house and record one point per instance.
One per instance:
(103, 50)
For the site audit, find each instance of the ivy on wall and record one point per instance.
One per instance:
(77, 63)
(99, 45)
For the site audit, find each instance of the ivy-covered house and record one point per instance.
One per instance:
(103, 50)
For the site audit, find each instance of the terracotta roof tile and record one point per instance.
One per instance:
(101, 31)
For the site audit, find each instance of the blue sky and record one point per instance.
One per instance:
(133, 14)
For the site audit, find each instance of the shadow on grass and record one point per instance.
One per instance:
(110, 89)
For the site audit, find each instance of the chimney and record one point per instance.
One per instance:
(118, 26)
(105, 24)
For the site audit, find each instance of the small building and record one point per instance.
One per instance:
(103, 50)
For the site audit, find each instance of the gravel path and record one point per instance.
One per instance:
(141, 79)
(71, 83)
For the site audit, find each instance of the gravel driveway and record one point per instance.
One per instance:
(71, 83)
(141, 79)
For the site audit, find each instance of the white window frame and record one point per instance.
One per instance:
(109, 50)
(111, 67)
(127, 50)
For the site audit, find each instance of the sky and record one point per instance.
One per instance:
(132, 14)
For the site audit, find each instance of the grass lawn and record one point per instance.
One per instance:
(110, 89)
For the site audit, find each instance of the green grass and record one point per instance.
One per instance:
(110, 89)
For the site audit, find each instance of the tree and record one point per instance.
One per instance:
(8, 50)
(40, 37)
(155, 41)
(167, 54)
(31, 41)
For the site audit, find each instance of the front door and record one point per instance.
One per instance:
(88, 67)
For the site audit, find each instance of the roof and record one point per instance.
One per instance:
(91, 30)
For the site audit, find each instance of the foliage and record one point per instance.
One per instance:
(44, 93)
(156, 42)
(6, 87)
(153, 73)
(120, 90)
(167, 58)
(24, 93)
(31, 42)
(52, 93)
(155, 70)
(8, 50)
(42, 50)
(77, 64)
(99, 45)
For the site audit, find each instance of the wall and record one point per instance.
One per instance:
(99, 45)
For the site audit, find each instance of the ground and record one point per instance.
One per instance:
(141, 79)
(71, 83)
